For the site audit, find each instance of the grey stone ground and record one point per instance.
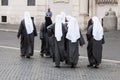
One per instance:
(13, 67)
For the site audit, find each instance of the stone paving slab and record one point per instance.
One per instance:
(13, 67)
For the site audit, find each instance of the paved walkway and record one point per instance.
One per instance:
(13, 67)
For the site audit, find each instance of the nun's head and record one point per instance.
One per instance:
(58, 19)
(63, 14)
(26, 14)
(68, 18)
(95, 19)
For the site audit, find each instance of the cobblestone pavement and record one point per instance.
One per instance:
(13, 67)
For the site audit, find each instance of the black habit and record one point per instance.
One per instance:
(73, 50)
(58, 47)
(94, 48)
(45, 46)
(27, 40)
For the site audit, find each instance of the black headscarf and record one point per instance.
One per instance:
(48, 22)
(89, 23)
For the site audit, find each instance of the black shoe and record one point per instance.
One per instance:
(42, 55)
(51, 56)
(31, 54)
(42, 51)
(67, 62)
(57, 66)
(22, 55)
(96, 66)
(27, 56)
(90, 65)
(72, 66)
(47, 55)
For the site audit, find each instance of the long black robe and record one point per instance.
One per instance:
(27, 40)
(73, 50)
(94, 48)
(44, 39)
(45, 46)
(58, 47)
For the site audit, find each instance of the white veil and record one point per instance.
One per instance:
(63, 16)
(73, 29)
(97, 29)
(58, 27)
(28, 22)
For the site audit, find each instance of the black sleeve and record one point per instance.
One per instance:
(20, 30)
(103, 40)
(35, 31)
(89, 33)
(41, 34)
(50, 29)
(81, 40)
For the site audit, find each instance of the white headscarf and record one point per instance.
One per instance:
(28, 22)
(73, 29)
(63, 16)
(58, 27)
(97, 29)
(68, 17)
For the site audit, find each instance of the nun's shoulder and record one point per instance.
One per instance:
(64, 24)
(22, 20)
(90, 27)
(43, 23)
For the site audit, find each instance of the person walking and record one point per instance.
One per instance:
(58, 30)
(95, 38)
(74, 37)
(44, 37)
(27, 32)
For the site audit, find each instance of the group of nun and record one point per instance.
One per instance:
(61, 39)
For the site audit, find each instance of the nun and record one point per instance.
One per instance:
(45, 46)
(89, 48)
(58, 30)
(63, 14)
(74, 38)
(95, 38)
(27, 32)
